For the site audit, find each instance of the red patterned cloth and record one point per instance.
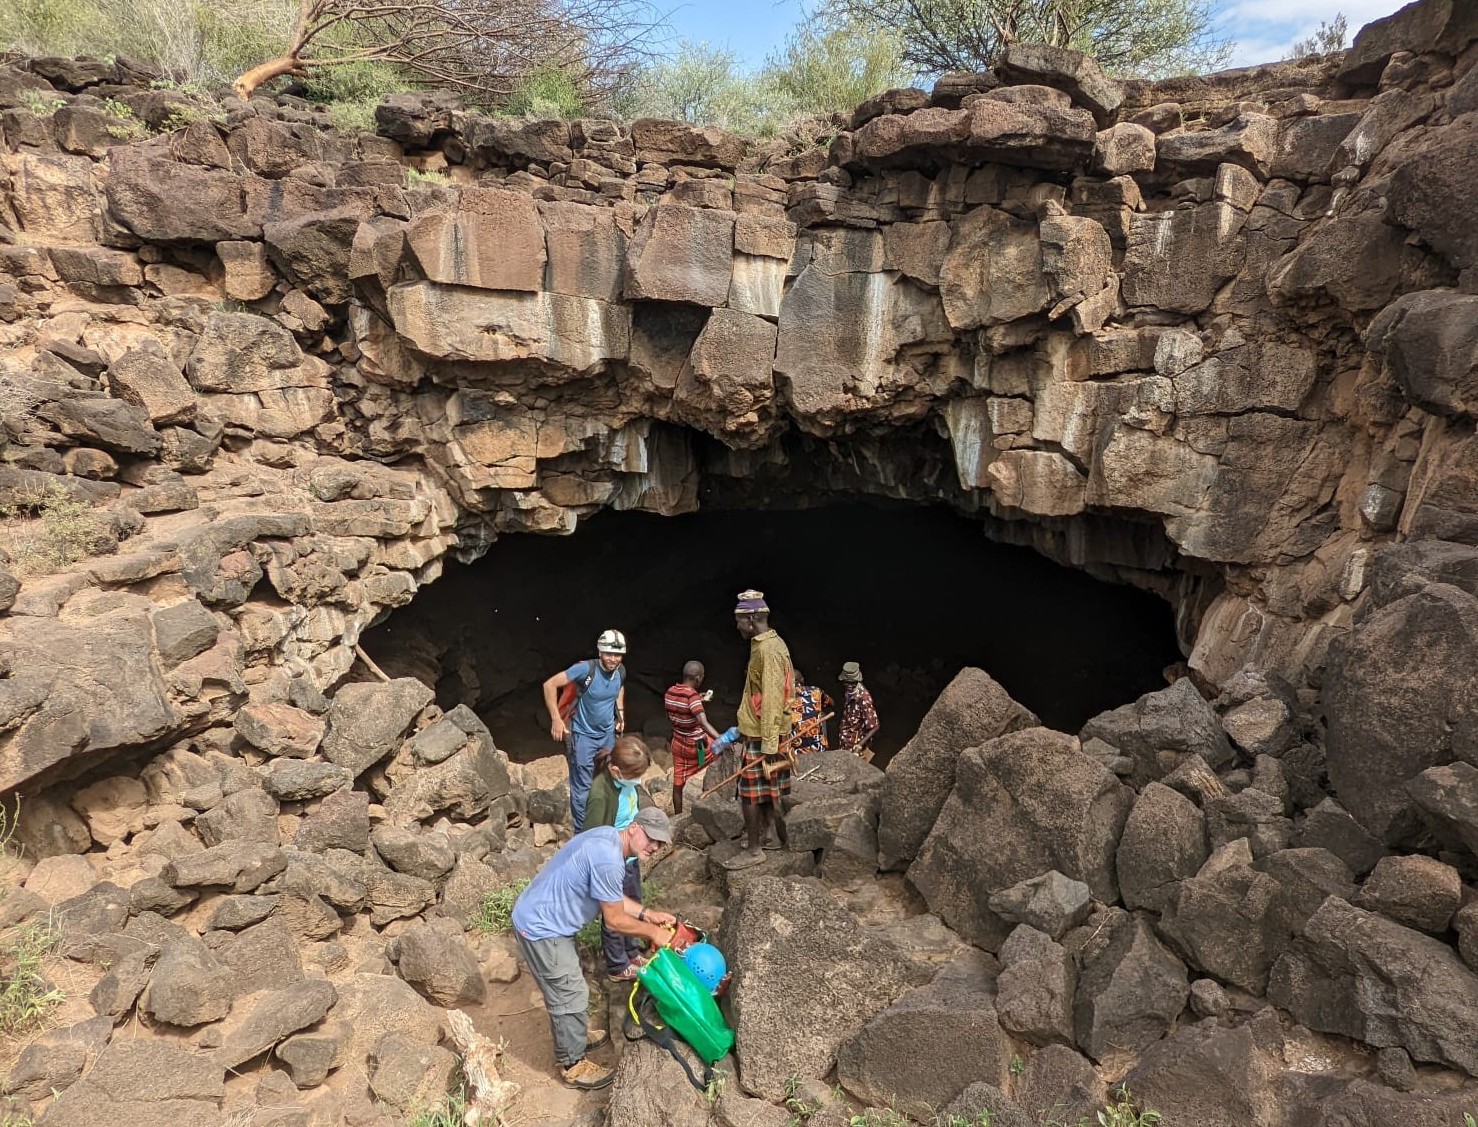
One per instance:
(753, 786)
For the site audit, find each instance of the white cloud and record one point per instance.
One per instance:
(1265, 30)
(1359, 12)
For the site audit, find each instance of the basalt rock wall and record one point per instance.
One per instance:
(1212, 335)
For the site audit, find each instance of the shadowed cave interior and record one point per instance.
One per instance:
(911, 592)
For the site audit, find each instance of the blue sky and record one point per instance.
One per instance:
(1263, 29)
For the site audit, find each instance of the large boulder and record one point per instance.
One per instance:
(993, 271)
(1447, 798)
(261, 1020)
(1059, 1081)
(1130, 987)
(682, 253)
(1423, 188)
(923, 1050)
(1206, 1074)
(1236, 916)
(1178, 260)
(1073, 72)
(1417, 891)
(367, 719)
(435, 959)
(1164, 842)
(972, 710)
(1036, 987)
(806, 980)
(165, 201)
(1023, 804)
(190, 986)
(652, 1090)
(1367, 977)
(1389, 717)
(1161, 727)
(371, 1005)
(141, 1082)
(1429, 343)
(492, 241)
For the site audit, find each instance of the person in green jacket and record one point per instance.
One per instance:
(615, 797)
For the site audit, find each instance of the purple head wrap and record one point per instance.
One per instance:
(752, 602)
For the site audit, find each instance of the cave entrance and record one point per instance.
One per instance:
(911, 592)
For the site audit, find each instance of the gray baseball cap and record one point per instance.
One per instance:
(654, 824)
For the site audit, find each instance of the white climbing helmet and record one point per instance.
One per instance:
(611, 642)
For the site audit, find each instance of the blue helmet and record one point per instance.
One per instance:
(707, 963)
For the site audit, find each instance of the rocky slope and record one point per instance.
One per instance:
(1214, 336)
(1210, 336)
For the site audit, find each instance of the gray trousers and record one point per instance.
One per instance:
(555, 964)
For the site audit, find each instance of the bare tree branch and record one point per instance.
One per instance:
(484, 48)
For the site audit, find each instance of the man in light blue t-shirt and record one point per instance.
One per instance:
(579, 883)
(598, 716)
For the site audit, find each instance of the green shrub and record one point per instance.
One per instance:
(126, 126)
(494, 914)
(40, 103)
(419, 178)
(549, 91)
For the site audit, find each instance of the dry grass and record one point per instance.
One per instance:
(50, 530)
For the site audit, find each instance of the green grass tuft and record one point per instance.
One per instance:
(494, 914)
(26, 997)
(451, 1112)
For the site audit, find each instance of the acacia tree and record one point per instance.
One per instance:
(485, 48)
(1126, 36)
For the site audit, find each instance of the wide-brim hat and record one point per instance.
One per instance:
(851, 671)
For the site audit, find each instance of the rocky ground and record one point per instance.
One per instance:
(1008, 919)
(1212, 336)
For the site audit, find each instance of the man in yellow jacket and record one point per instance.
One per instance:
(764, 720)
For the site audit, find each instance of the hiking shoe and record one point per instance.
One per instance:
(586, 1075)
(625, 974)
(744, 859)
(599, 1039)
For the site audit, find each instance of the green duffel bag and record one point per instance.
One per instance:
(668, 999)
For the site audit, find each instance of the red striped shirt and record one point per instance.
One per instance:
(684, 704)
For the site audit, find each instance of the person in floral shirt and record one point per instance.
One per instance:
(859, 714)
(809, 704)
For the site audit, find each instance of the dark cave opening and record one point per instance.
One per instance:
(913, 593)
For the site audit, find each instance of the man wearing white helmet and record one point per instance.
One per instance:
(587, 711)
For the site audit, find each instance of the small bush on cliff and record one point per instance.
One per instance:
(50, 530)
(40, 103)
(494, 914)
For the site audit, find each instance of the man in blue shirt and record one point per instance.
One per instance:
(580, 882)
(599, 714)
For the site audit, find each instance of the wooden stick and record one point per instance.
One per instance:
(489, 1094)
(814, 722)
(369, 662)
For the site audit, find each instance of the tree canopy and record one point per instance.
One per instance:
(1147, 37)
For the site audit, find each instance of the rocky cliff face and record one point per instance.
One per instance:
(1212, 335)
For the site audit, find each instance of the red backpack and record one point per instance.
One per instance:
(570, 694)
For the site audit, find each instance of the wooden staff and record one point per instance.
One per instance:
(800, 729)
